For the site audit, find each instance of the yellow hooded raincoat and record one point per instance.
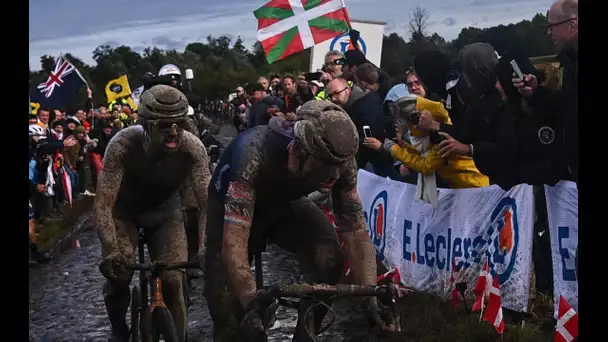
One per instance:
(460, 171)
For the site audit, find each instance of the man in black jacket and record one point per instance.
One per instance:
(562, 23)
(563, 28)
(262, 106)
(365, 109)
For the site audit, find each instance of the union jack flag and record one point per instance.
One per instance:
(63, 83)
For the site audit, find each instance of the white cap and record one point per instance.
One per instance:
(317, 83)
(190, 111)
(169, 69)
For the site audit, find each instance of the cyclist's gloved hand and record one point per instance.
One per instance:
(113, 266)
(252, 325)
(379, 320)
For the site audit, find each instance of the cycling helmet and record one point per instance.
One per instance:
(163, 102)
(326, 131)
(169, 69)
(36, 130)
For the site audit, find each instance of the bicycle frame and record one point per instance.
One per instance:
(143, 277)
(149, 275)
(386, 294)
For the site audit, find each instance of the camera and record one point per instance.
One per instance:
(313, 76)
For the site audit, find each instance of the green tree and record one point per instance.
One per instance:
(220, 65)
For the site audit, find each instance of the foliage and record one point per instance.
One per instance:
(220, 65)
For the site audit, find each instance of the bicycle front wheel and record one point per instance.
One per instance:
(163, 325)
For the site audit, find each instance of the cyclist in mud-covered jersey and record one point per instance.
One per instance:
(258, 193)
(145, 167)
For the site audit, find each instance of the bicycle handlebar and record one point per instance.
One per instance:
(275, 293)
(159, 266)
(386, 293)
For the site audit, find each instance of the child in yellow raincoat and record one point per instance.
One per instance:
(458, 171)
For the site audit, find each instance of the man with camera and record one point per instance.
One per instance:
(334, 60)
(366, 110)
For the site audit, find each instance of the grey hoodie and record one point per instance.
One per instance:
(478, 61)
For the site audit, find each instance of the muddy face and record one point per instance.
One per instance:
(318, 174)
(166, 134)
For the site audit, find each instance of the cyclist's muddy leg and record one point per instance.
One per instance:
(168, 244)
(225, 309)
(116, 293)
(307, 232)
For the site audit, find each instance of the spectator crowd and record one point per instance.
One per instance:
(66, 156)
(449, 124)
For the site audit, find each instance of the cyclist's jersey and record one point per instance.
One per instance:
(141, 190)
(252, 172)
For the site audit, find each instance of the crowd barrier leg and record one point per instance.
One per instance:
(541, 244)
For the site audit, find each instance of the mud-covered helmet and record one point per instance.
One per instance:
(326, 131)
(163, 102)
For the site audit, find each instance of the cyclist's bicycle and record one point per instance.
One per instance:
(271, 297)
(152, 319)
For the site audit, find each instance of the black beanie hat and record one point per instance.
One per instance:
(432, 67)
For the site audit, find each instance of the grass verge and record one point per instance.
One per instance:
(428, 318)
(51, 230)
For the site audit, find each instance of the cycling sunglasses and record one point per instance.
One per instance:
(167, 125)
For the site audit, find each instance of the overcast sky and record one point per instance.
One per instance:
(79, 26)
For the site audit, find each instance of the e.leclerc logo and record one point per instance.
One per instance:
(499, 243)
(376, 222)
(342, 43)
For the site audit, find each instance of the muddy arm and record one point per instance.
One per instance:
(107, 189)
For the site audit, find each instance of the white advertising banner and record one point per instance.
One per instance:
(370, 42)
(562, 210)
(469, 227)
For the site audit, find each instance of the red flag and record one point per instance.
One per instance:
(482, 287)
(566, 329)
(493, 313)
(67, 185)
(394, 275)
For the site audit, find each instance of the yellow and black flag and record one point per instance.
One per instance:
(117, 88)
(34, 106)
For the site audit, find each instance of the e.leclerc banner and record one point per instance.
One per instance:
(562, 212)
(469, 226)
